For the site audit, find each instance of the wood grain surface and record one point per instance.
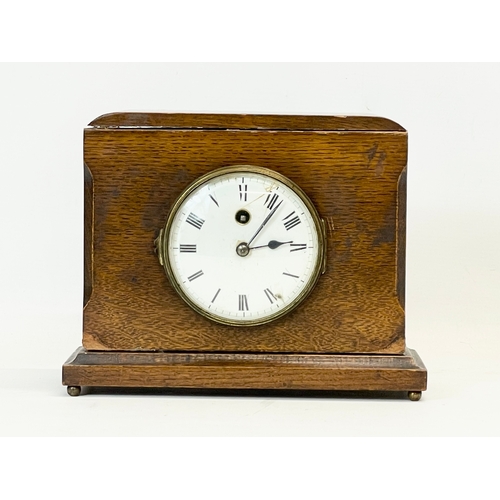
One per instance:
(404, 372)
(245, 122)
(352, 177)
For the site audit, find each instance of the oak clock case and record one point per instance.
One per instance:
(245, 252)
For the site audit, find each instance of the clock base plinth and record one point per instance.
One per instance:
(333, 372)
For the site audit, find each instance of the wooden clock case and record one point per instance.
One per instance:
(349, 334)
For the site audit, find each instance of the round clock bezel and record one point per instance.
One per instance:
(318, 269)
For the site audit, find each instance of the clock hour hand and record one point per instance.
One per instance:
(272, 244)
(266, 220)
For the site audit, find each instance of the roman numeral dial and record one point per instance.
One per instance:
(242, 246)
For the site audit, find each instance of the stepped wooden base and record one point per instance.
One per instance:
(356, 372)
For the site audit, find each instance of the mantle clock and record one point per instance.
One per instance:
(244, 252)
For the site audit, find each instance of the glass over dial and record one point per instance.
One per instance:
(243, 245)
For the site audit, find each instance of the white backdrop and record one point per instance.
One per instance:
(453, 242)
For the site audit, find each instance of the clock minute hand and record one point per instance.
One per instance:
(266, 220)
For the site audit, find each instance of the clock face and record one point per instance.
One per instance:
(243, 245)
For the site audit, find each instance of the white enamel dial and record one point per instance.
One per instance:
(243, 245)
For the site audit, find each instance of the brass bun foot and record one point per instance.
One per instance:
(414, 395)
(74, 390)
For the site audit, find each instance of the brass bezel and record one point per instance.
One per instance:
(161, 243)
